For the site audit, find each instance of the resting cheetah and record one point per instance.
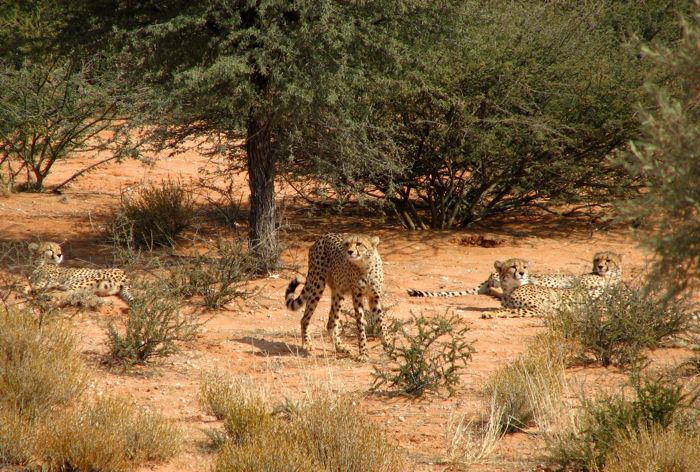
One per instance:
(522, 298)
(49, 276)
(350, 265)
(607, 272)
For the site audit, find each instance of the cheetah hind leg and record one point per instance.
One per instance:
(333, 326)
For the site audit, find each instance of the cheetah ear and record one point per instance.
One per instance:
(619, 256)
(33, 246)
(498, 265)
(374, 240)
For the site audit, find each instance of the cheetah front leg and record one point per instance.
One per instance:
(333, 326)
(375, 308)
(361, 325)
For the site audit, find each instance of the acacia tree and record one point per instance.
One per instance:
(259, 71)
(521, 104)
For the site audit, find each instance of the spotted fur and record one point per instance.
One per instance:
(606, 272)
(350, 265)
(522, 298)
(48, 275)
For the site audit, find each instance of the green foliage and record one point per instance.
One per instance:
(617, 326)
(666, 158)
(153, 327)
(427, 359)
(154, 215)
(659, 402)
(216, 275)
(54, 109)
(514, 104)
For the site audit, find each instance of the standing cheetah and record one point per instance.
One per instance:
(49, 276)
(607, 272)
(350, 265)
(522, 298)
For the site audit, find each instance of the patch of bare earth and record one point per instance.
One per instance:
(258, 337)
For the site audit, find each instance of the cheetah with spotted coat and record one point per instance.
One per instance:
(49, 276)
(606, 272)
(350, 265)
(522, 298)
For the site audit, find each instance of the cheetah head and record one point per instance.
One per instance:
(360, 248)
(606, 263)
(513, 273)
(47, 252)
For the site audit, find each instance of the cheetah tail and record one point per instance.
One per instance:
(293, 303)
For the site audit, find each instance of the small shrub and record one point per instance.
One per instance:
(616, 327)
(109, 436)
(655, 449)
(659, 403)
(40, 364)
(428, 359)
(153, 216)
(154, 326)
(216, 276)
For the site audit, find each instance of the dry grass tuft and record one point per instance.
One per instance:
(655, 449)
(40, 365)
(108, 436)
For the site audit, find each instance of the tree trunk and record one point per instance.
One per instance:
(261, 179)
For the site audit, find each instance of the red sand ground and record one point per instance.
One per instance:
(258, 337)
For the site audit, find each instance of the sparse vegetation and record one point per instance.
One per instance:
(153, 215)
(658, 402)
(215, 275)
(652, 449)
(40, 365)
(425, 354)
(108, 436)
(153, 327)
(319, 433)
(619, 325)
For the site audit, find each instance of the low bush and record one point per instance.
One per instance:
(154, 326)
(659, 402)
(216, 275)
(155, 215)
(616, 327)
(109, 436)
(427, 359)
(40, 364)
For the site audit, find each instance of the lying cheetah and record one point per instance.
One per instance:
(522, 298)
(350, 265)
(607, 272)
(49, 276)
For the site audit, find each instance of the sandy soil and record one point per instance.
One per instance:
(259, 338)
